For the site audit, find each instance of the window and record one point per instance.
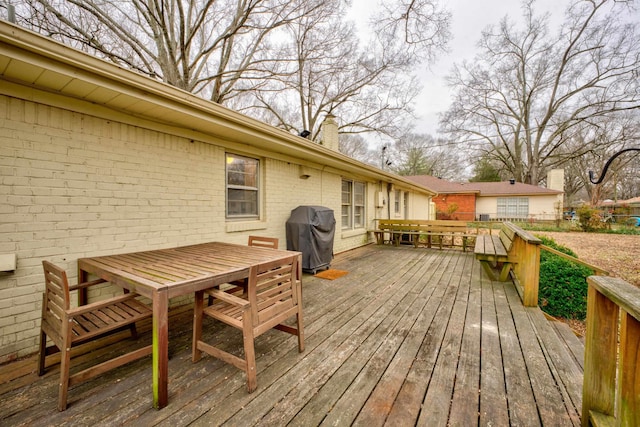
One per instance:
(513, 207)
(242, 187)
(353, 204)
(397, 195)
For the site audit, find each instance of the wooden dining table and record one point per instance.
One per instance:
(167, 273)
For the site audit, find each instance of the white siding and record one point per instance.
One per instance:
(540, 207)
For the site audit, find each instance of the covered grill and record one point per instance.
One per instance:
(310, 230)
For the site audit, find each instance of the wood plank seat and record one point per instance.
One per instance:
(493, 252)
(273, 295)
(434, 232)
(68, 327)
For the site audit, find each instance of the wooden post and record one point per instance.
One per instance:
(629, 384)
(599, 387)
(526, 251)
(530, 274)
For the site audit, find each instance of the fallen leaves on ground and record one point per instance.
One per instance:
(619, 254)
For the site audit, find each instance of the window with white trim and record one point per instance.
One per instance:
(513, 207)
(243, 191)
(353, 204)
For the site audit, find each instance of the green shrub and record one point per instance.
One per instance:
(563, 285)
(590, 219)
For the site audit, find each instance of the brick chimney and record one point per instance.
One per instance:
(330, 133)
(555, 179)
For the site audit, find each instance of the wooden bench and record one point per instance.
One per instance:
(436, 232)
(498, 251)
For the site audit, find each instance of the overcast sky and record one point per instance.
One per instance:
(469, 18)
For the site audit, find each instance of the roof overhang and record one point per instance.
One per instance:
(31, 63)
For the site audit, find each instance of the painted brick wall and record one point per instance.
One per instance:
(73, 185)
(466, 206)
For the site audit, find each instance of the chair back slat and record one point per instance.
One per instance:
(55, 301)
(56, 285)
(270, 290)
(263, 242)
(54, 305)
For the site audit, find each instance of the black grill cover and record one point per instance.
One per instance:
(310, 230)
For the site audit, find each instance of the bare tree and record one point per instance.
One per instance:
(421, 154)
(329, 70)
(356, 147)
(596, 145)
(530, 93)
(206, 47)
(288, 62)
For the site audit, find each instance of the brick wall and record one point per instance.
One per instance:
(466, 206)
(73, 185)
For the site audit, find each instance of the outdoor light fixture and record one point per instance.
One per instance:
(606, 165)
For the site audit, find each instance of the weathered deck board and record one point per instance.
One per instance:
(409, 336)
(493, 399)
(466, 394)
(521, 401)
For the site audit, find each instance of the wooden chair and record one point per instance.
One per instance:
(258, 241)
(263, 242)
(67, 326)
(274, 294)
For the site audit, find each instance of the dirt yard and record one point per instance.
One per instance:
(619, 254)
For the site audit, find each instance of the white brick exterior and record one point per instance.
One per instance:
(98, 160)
(74, 185)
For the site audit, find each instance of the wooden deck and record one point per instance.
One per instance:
(408, 337)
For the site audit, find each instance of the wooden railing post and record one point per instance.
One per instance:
(611, 388)
(530, 274)
(526, 251)
(629, 384)
(599, 355)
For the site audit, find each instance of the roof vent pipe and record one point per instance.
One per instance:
(512, 181)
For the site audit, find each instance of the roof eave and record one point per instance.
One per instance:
(167, 103)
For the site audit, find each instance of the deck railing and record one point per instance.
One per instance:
(525, 252)
(611, 389)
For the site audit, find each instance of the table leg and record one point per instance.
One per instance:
(160, 349)
(83, 276)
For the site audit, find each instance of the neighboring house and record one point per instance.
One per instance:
(97, 160)
(509, 200)
(622, 208)
(455, 200)
(506, 200)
